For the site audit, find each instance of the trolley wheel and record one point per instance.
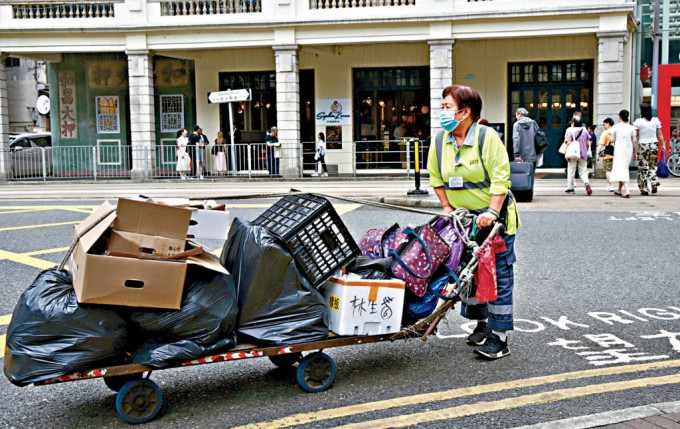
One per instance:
(316, 372)
(139, 401)
(115, 383)
(673, 163)
(286, 360)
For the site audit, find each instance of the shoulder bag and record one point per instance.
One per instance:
(574, 148)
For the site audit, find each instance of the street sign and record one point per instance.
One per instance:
(229, 96)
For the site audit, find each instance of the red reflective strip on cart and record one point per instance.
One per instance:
(285, 350)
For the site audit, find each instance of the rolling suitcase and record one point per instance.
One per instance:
(522, 180)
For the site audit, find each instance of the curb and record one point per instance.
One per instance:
(609, 417)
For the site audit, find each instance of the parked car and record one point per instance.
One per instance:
(27, 154)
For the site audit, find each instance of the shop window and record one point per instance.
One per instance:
(572, 73)
(543, 73)
(516, 74)
(556, 74)
(584, 72)
(401, 78)
(528, 73)
(259, 114)
(108, 115)
(172, 113)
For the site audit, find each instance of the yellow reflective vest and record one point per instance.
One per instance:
(484, 169)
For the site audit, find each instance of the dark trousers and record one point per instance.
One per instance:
(322, 160)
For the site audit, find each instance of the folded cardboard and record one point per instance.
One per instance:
(135, 229)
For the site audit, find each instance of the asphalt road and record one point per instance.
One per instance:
(597, 328)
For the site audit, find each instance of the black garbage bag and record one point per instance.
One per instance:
(203, 325)
(372, 269)
(277, 303)
(51, 334)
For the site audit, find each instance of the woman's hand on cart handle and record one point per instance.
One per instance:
(447, 209)
(486, 219)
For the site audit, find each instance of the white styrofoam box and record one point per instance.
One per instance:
(364, 307)
(209, 224)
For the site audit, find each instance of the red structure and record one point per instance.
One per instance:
(666, 73)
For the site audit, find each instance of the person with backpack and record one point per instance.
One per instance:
(469, 168)
(524, 137)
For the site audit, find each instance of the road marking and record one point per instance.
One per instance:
(77, 210)
(2, 345)
(44, 252)
(26, 260)
(44, 225)
(306, 418)
(345, 208)
(4, 320)
(37, 209)
(509, 403)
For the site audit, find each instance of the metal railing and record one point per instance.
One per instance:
(244, 160)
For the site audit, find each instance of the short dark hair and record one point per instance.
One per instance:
(465, 96)
(196, 127)
(646, 111)
(609, 121)
(624, 115)
(577, 121)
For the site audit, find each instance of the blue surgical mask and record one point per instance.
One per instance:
(448, 119)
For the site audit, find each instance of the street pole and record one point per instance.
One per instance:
(231, 137)
(655, 57)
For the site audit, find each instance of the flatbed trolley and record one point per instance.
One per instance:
(139, 399)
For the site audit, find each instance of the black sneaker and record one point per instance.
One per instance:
(494, 347)
(479, 335)
(569, 192)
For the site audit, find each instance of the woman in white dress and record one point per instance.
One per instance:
(220, 154)
(625, 143)
(649, 136)
(183, 159)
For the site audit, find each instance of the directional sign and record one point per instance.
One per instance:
(229, 96)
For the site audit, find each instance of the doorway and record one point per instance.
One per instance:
(551, 92)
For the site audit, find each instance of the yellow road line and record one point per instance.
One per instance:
(90, 206)
(305, 418)
(77, 210)
(346, 208)
(4, 320)
(36, 209)
(44, 252)
(2, 345)
(26, 260)
(509, 403)
(44, 225)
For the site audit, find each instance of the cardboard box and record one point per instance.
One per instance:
(364, 307)
(147, 231)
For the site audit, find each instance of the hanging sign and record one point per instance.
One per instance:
(333, 111)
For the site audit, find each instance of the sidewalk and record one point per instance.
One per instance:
(661, 415)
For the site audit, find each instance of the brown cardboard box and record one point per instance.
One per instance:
(136, 228)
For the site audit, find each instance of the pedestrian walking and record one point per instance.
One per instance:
(523, 137)
(468, 171)
(183, 159)
(649, 135)
(320, 156)
(625, 148)
(578, 136)
(606, 151)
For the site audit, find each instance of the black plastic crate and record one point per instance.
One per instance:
(313, 233)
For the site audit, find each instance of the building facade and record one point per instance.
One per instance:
(130, 73)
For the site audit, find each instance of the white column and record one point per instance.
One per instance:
(142, 113)
(441, 76)
(5, 164)
(288, 108)
(610, 78)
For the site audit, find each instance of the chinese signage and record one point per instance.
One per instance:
(333, 111)
(107, 74)
(171, 73)
(68, 119)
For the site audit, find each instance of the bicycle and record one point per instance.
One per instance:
(673, 160)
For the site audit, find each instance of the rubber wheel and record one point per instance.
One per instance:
(116, 383)
(524, 196)
(286, 360)
(316, 372)
(139, 401)
(674, 164)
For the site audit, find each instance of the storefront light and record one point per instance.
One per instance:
(268, 105)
